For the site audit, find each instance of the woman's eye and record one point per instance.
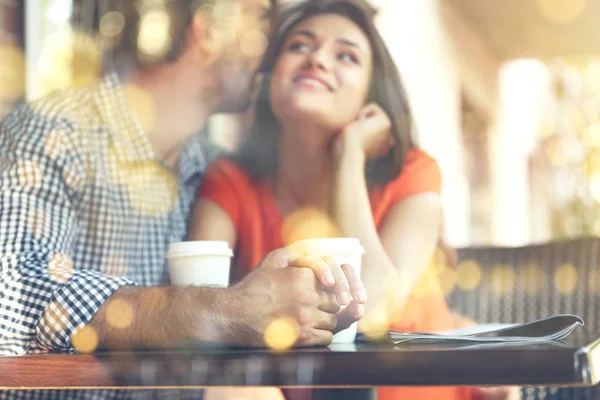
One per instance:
(298, 46)
(347, 57)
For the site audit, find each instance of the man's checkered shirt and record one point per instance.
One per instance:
(85, 208)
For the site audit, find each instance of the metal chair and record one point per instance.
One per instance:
(526, 283)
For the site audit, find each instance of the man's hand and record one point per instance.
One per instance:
(349, 315)
(339, 279)
(284, 285)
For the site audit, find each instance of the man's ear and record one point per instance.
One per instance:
(204, 40)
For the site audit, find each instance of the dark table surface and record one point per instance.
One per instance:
(575, 361)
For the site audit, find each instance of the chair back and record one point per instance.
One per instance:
(531, 282)
(525, 283)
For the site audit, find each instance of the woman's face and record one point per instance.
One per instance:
(323, 73)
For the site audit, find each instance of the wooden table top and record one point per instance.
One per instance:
(574, 362)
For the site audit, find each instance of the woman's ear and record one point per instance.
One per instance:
(205, 42)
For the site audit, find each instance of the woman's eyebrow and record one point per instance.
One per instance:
(304, 32)
(311, 35)
(349, 43)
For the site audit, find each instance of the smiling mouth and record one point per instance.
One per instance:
(313, 83)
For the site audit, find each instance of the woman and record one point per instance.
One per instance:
(331, 154)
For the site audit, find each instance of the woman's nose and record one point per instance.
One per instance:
(319, 59)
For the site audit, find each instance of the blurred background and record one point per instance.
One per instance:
(506, 96)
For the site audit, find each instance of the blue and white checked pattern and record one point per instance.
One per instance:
(85, 208)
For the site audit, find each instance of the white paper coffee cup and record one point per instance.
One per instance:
(199, 263)
(344, 251)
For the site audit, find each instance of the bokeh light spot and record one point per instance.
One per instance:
(12, 73)
(565, 279)
(439, 260)
(86, 340)
(56, 317)
(119, 314)
(154, 37)
(60, 267)
(73, 179)
(561, 11)
(29, 173)
(227, 18)
(68, 59)
(533, 277)
(594, 283)
(112, 24)
(54, 145)
(556, 153)
(591, 135)
(502, 279)
(376, 322)
(253, 43)
(86, 61)
(428, 285)
(594, 184)
(547, 126)
(468, 275)
(592, 165)
(282, 333)
(142, 105)
(152, 189)
(307, 223)
(38, 222)
(448, 280)
(576, 119)
(117, 172)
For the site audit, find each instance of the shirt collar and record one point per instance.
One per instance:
(196, 157)
(131, 143)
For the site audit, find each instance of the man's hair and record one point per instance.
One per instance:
(259, 153)
(124, 48)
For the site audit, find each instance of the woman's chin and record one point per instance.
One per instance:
(310, 113)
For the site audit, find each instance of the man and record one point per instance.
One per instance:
(95, 183)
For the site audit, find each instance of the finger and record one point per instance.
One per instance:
(276, 259)
(316, 264)
(314, 337)
(378, 123)
(357, 288)
(342, 287)
(366, 111)
(328, 301)
(324, 320)
(349, 315)
(375, 109)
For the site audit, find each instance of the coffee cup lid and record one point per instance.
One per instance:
(199, 248)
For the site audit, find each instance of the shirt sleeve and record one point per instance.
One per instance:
(420, 174)
(44, 298)
(227, 185)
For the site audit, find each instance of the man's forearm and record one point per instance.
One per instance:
(161, 317)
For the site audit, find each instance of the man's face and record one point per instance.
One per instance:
(243, 35)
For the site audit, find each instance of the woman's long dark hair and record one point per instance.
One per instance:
(259, 153)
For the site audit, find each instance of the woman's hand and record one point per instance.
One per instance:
(339, 279)
(369, 135)
(342, 281)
